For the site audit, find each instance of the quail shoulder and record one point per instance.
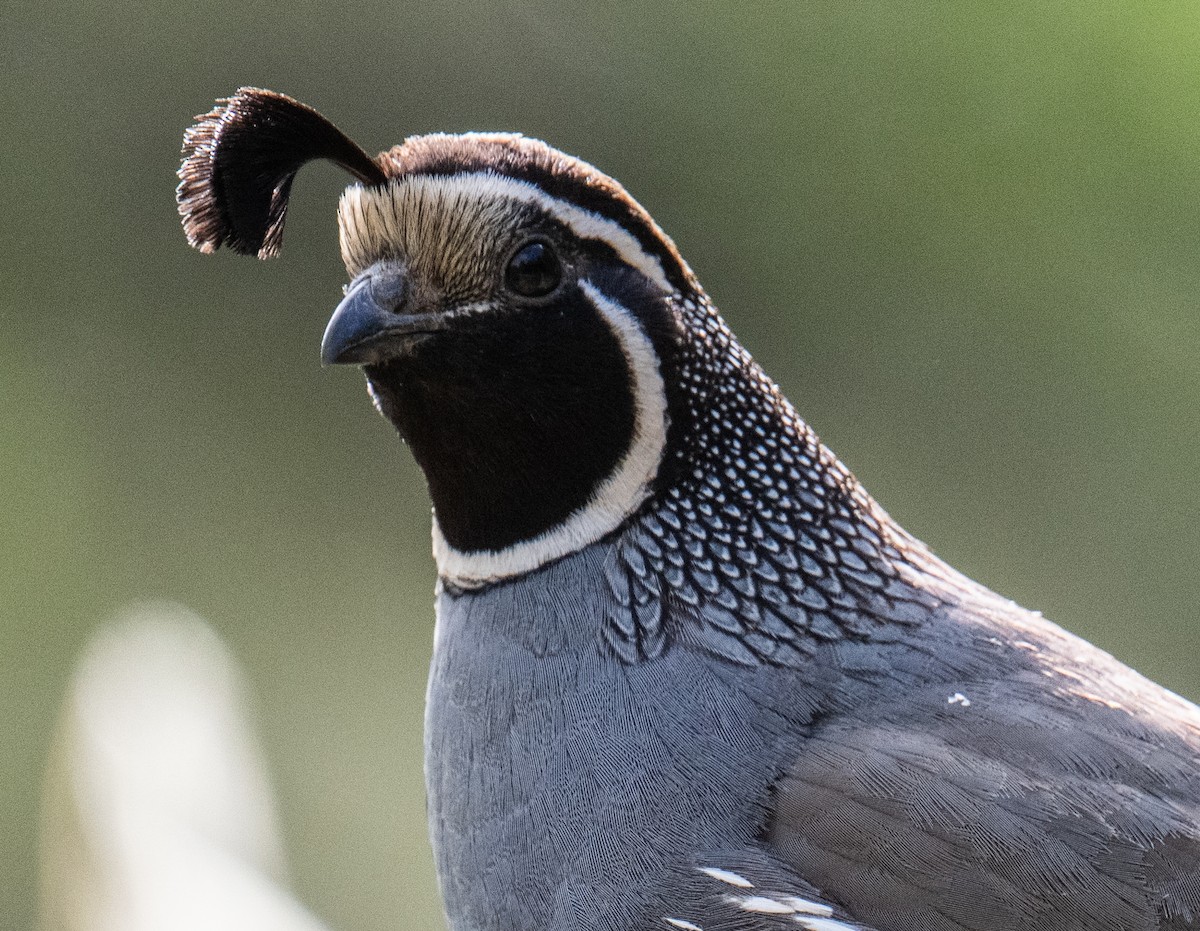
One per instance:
(687, 673)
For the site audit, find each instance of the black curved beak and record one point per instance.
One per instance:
(369, 325)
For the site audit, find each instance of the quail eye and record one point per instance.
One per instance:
(533, 271)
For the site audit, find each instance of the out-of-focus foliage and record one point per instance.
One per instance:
(963, 236)
(158, 813)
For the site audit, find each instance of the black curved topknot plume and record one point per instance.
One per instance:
(238, 164)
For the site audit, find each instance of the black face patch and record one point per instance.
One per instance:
(515, 417)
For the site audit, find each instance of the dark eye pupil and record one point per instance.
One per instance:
(534, 271)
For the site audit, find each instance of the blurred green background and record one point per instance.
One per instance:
(964, 237)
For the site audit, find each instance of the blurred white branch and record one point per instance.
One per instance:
(158, 814)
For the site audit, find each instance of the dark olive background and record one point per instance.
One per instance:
(965, 238)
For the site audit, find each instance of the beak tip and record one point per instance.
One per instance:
(356, 318)
(329, 356)
(333, 352)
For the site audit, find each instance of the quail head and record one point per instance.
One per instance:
(687, 673)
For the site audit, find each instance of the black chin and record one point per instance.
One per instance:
(515, 417)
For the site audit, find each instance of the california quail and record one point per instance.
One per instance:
(687, 673)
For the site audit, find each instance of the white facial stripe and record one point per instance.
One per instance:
(618, 496)
(369, 219)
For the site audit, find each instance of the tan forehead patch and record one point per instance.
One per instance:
(448, 233)
(454, 229)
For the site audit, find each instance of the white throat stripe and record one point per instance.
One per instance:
(614, 499)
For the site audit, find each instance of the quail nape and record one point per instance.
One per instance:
(687, 674)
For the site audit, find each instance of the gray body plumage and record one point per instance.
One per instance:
(1044, 784)
(585, 759)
